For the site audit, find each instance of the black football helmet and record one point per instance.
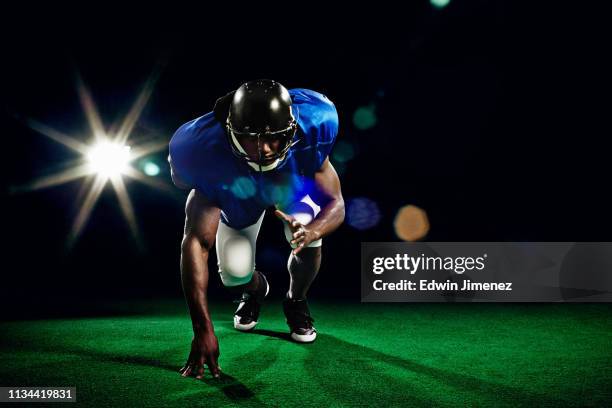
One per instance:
(261, 109)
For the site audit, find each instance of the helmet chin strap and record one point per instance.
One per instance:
(256, 166)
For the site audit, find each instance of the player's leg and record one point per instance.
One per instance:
(236, 262)
(303, 269)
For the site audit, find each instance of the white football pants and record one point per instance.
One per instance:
(236, 248)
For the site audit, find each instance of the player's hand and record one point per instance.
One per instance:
(204, 350)
(302, 235)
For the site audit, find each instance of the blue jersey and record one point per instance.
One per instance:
(201, 158)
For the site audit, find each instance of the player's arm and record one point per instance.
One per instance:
(329, 195)
(201, 221)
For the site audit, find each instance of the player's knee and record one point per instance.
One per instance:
(230, 281)
(237, 264)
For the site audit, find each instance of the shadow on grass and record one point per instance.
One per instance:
(271, 333)
(353, 373)
(227, 384)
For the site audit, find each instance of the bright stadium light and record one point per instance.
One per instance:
(109, 159)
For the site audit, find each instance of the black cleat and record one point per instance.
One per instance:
(299, 320)
(247, 313)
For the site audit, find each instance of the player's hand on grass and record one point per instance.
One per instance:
(302, 235)
(204, 351)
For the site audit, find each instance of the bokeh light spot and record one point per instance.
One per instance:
(365, 117)
(150, 169)
(343, 151)
(243, 188)
(439, 3)
(281, 194)
(411, 223)
(362, 213)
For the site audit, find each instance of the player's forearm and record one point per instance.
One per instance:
(194, 276)
(329, 219)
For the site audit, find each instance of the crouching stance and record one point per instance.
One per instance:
(262, 146)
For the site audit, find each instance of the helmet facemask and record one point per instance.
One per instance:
(285, 136)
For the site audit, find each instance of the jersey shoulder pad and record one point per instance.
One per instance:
(318, 118)
(189, 148)
(316, 112)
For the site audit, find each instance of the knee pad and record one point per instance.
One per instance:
(237, 264)
(236, 253)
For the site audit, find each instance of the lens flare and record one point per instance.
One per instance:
(104, 159)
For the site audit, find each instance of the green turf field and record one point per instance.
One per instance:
(366, 355)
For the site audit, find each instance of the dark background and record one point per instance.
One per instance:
(492, 117)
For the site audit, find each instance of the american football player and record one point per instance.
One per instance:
(262, 146)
